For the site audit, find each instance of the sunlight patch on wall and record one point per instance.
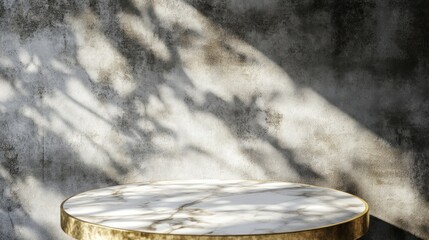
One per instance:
(101, 60)
(140, 29)
(34, 197)
(7, 93)
(85, 130)
(60, 66)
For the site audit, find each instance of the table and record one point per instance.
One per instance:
(214, 210)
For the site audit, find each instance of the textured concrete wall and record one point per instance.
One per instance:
(333, 93)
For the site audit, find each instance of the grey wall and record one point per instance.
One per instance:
(332, 93)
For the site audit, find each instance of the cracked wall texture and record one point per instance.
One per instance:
(96, 93)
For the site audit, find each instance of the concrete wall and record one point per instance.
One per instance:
(332, 93)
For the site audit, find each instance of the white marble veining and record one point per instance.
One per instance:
(214, 207)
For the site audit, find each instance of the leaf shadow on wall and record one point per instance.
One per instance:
(346, 52)
(32, 148)
(59, 164)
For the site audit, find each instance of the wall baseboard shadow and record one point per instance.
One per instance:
(380, 229)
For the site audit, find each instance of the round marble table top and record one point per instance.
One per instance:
(214, 207)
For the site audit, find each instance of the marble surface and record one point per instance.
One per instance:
(214, 207)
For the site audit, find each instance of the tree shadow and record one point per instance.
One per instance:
(47, 156)
(242, 119)
(350, 54)
(367, 58)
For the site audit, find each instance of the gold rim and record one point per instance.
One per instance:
(352, 228)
